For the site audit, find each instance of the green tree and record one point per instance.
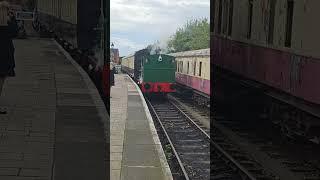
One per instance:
(194, 35)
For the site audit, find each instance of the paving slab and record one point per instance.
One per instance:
(138, 173)
(55, 126)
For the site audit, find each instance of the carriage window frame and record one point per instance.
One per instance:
(200, 69)
(194, 67)
(177, 66)
(289, 23)
(250, 16)
(225, 17)
(220, 17)
(213, 19)
(230, 18)
(271, 21)
(188, 67)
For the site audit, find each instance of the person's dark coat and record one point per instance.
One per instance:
(112, 72)
(7, 62)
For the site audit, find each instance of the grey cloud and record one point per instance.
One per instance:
(157, 19)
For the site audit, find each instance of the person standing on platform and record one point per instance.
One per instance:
(112, 72)
(8, 31)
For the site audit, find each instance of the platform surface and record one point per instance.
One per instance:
(54, 128)
(136, 152)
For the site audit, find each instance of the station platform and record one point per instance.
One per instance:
(56, 122)
(135, 148)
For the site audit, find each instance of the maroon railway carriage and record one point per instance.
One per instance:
(275, 45)
(193, 73)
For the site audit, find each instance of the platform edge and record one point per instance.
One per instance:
(163, 160)
(104, 116)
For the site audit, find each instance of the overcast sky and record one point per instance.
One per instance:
(137, 23)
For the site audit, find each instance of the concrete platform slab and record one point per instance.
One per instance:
(140, 155)
(137, 113)
(137, 125)
(55, 126)
(136, 152)
(141, 173)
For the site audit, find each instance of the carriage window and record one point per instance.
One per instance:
(188, 68)
(213, 17)
(250, 19)
(271, 21)
(200, 68)
(194, 68)
(289, 23)
(230, 17)
(225, 17)
(177, 66)
(219, 16)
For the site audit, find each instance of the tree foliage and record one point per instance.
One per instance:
(194, 35)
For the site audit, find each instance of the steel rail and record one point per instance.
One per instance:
(239, 166)
(193, 123)
(171, 144)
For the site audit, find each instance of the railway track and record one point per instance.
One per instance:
(249, 168)
(202, 110)
(191, 142)
(273, 154)
(263, 153)
(201, 116)
(239, 161)
(191, 145)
